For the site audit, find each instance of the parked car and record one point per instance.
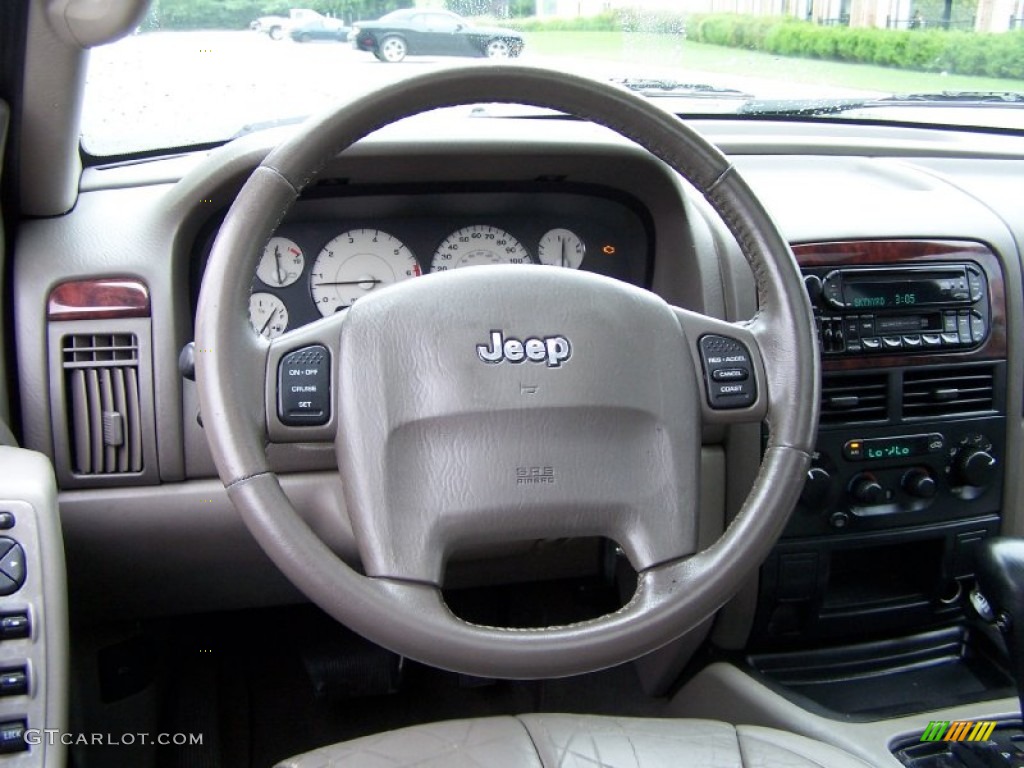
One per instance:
(432, 32)
(272, 26)
(321, 28)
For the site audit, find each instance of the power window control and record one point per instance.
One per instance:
(14, 682)
(14, 626)
(12, 737)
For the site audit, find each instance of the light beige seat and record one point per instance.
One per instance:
(574, 741)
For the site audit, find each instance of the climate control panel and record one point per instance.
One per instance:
(873, 478)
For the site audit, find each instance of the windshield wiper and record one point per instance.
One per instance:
(959, 97)
(820, 107)
(653, 86)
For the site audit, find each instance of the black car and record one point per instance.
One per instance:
(430, 32)
(319, 28)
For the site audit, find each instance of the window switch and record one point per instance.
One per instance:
(14, 682)
(12, 737)
(14, 626)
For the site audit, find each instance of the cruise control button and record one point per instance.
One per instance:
(304, 387)
(728, 372)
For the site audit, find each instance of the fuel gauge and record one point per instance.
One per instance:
(561, 248)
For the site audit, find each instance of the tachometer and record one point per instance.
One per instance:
(281, 263)
(355, 263)
(268, 314)
(479, 244)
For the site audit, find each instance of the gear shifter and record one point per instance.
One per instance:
(1000, 576)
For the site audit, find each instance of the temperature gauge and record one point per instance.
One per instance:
(281, 264)
(561, 248)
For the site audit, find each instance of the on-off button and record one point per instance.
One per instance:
(304, 387)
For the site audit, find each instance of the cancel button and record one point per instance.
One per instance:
(729, 374)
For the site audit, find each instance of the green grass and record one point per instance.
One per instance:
(668, 50)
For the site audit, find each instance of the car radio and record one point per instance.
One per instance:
(905, 309)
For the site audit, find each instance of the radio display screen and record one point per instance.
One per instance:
(892, 291)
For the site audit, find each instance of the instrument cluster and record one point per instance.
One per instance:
(330, 252)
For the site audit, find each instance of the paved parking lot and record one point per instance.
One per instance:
(164, 89)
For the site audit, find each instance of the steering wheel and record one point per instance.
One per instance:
(509, 403)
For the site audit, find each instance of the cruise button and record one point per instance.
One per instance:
(729, 374)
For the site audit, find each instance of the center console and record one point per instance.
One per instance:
(907, 475)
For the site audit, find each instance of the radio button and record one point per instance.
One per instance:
(851, 327)
(977, 286)
(854, 347)
(949, 322)
(867, 325)
(912, 341)
(872, 344)
(892, 342)
(978, 329)
(931, 339)
(964, 327)
(950, 340)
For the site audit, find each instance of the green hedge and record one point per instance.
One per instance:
(965, 53)
(928, 50)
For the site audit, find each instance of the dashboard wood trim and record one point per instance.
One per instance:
(100, 299)
(889, 252)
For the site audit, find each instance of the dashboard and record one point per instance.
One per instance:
(338, 245)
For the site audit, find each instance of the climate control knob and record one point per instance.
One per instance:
(867, 490)
(816, 488)
(919, 483)
(974, 466)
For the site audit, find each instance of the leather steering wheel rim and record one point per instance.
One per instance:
(411, 618)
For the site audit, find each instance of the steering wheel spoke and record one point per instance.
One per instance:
(301, 386)
(727, 357)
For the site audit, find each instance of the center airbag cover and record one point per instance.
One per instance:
(510, 403)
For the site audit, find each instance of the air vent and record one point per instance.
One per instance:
(854, 399)
(101, 382)
(948, 392)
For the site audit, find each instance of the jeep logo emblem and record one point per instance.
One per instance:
(551, 350)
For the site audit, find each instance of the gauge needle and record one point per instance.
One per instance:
(277, 261)
(266, 325)
(563, 251)
(353, 282)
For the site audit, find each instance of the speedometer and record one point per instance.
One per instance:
(355, 263)
(479, 244)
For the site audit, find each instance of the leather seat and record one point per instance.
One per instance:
(574, 741)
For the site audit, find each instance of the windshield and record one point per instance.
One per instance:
(204, 71)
